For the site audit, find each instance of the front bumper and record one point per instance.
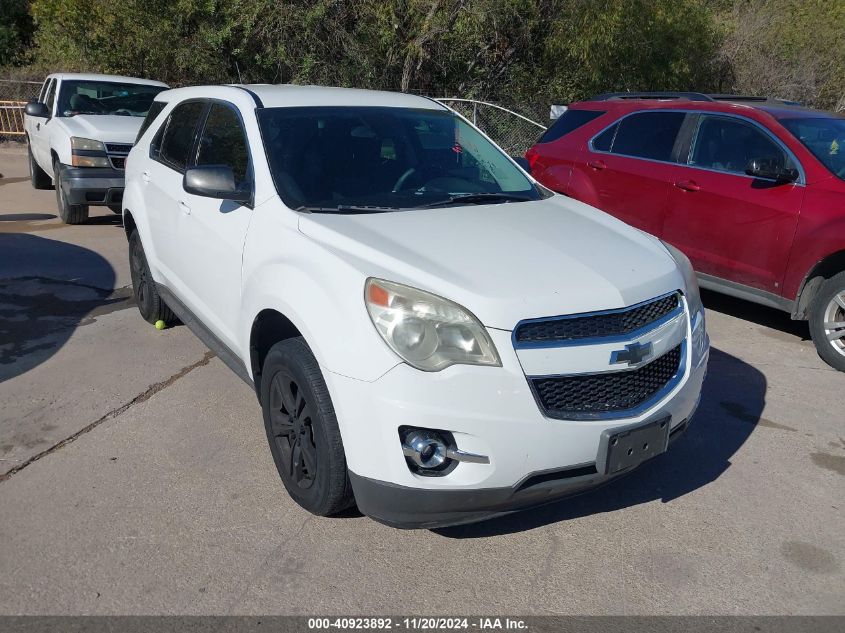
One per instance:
(489, 411)
(93, 186)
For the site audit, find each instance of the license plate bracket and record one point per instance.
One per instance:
(624, 448)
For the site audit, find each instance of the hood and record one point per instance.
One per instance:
(506, 262)
(104, 127)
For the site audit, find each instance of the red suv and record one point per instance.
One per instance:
(751, 189)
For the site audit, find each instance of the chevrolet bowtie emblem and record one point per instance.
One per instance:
(633, 354)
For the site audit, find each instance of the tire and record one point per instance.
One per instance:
(69, 213)
(827, 321)
(39, 178)
(149, 302)
(307, 448)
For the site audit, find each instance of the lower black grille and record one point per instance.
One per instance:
(119, 162)
(611, 392)
(610, 323)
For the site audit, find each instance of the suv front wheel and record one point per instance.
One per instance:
(302, 429)
(149, 302)
(827, 321)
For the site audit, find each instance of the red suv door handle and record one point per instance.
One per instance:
(687, 185)
(597, 164)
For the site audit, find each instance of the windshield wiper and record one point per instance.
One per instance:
(346, 209)
(477, 198)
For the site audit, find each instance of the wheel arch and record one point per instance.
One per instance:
(831, 265)
(268, 328)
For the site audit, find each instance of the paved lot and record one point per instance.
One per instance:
(165, 499)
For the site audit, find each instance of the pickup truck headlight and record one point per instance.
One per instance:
(79, 144)
(426, 331)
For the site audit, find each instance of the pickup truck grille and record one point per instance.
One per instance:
(603, 324)
(118, 162)
(580, 396)
(118, 148)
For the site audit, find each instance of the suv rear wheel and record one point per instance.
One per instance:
(69, 213)
(302, 429)
(149, 302)
(827, 321)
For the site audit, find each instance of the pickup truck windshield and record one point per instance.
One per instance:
(824, 137)
(105, 97)
(346, 159)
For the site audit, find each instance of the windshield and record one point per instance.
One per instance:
(824, 137)
(105, 97)
(359, 159)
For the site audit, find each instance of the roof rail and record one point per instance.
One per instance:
(752, 99)
(690, 96)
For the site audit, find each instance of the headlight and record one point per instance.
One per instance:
(692, 292)
(426, 331)
(96, 158)
(87, 144)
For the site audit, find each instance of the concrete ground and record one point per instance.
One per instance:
(137, 477)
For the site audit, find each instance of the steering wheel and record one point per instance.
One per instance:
(400, 182)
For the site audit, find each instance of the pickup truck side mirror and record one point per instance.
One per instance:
(214, 181)
(771, 169)
(37, 109)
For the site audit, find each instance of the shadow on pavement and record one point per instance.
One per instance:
(761, 315)
(731, 406)
(48, 289)
(25, 217)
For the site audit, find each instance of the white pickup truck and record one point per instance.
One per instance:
(78, 134)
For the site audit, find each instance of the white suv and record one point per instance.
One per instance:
(426, 327)
(78, 134)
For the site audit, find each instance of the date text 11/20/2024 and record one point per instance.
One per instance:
(419, 624)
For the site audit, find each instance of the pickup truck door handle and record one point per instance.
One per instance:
(185, 208)
(687, 185)
(597, 164)
(38, 126)
(145, 176)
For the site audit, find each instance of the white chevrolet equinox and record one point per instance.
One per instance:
(430, 332)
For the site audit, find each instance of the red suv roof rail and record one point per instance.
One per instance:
(690, 96)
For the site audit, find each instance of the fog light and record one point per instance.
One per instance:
(426, 449)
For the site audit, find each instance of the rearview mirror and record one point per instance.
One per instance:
(214, 181)
(771, 169)
(37, 109)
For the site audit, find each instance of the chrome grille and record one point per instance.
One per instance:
(597, 325)
(580, 396)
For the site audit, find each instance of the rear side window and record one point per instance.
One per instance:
(223, 141)
(568, 122)
(649, 135)
(178, 137)
(155, 109)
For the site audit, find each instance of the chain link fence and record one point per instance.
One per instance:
(14, 94)
(513, 132)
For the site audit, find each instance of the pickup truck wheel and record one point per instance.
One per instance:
(39, 178)
(69, 213)
(149, 302)
(302, 429)
(827, 321)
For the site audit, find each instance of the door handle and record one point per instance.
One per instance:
(597, 164)
(185, 208)
(145, 176)
(687, 185)
(38, 126)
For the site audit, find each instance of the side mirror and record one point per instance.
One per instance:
(771, 169)
(37, 109)
(214, 181)
(523, 162)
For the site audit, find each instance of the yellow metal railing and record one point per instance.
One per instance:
(11, 118)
